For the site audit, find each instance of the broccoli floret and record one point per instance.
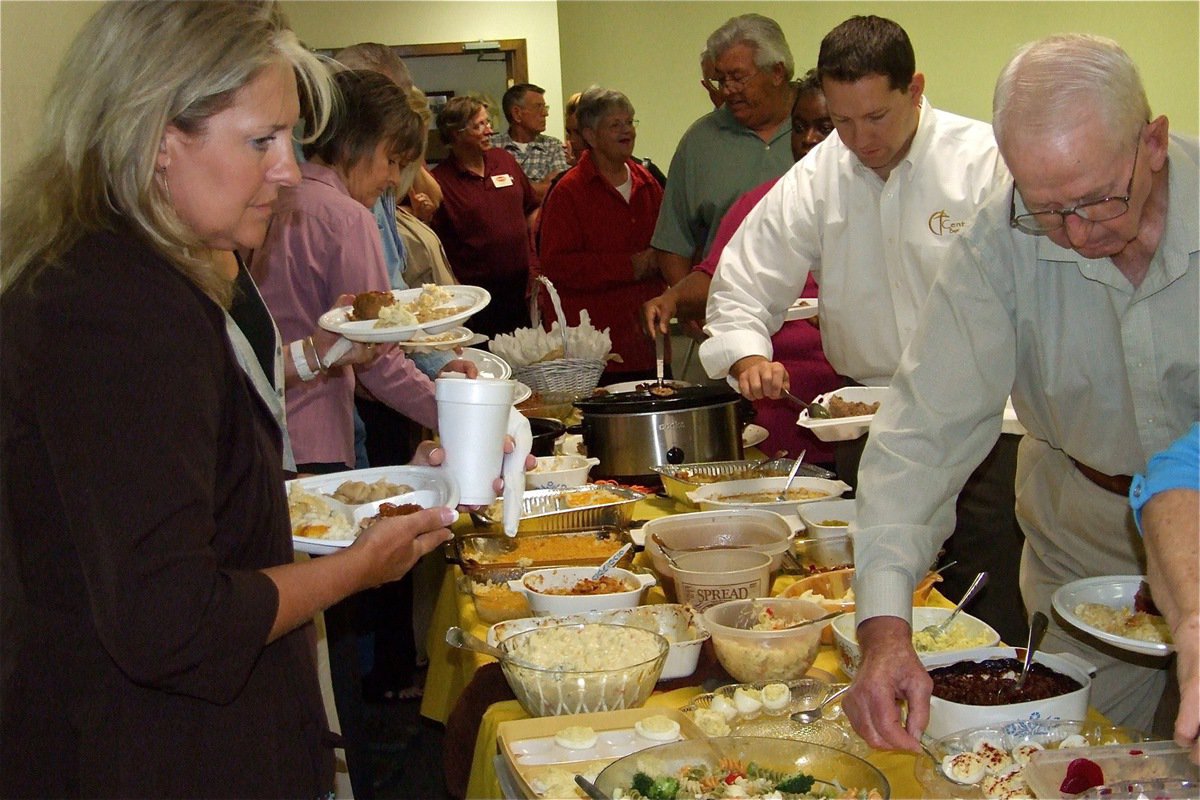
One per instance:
(655, 788)
(664, 789)
(796, 784)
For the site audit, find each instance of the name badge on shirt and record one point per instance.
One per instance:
(500, 181)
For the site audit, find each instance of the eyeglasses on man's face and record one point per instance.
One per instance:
(730, 83)
(1038, 223)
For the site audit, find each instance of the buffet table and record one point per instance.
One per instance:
(467, 692)
(452, 671)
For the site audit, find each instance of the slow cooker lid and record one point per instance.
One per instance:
(681, 399)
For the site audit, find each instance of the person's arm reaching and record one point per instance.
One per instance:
(1166, 505)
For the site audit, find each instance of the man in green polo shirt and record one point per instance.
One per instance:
(734, 148)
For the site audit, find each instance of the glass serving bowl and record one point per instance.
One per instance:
(831, 768)
(578, 669)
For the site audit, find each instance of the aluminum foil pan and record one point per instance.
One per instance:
(551, 510)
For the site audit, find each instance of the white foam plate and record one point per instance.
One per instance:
(841, 429)
(473, 298)
(493, 365)
(522, 393)
(1111, 590)
(753, 434)
(803, 308)
(447, 340)
(431, 487)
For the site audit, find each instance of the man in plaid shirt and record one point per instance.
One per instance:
(541, 157)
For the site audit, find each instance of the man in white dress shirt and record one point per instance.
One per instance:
(872, 211)
(1075, 290)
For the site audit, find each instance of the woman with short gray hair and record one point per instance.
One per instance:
(595, 233)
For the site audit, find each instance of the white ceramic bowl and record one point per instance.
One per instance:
(678, 624)
(760, 493)
(557, 472)
(849, 655)
(815, 515)
(752, 529)
(534, 584)
(764, 655)
(947, 717)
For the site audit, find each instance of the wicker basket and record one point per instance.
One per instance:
(575, 375)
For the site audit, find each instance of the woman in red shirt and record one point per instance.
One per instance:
(595, 234)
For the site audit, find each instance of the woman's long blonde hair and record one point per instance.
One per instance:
(135, 68)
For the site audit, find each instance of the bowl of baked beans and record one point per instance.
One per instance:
(978, 687)
(571, 590)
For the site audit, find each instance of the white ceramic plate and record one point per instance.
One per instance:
(803, 308)
(493, 365)
(522, 393)
(1111, 590)
(455, 337)
(431, 487)
(844, 428)
(753, 435)
(473, 298)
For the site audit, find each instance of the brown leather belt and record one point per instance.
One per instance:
(1117, 484)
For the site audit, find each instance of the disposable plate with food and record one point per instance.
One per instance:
(754, 435)
(522, 393)
(314, 502)
(803, 308)
(455, 337)
(843, 428)
(1116, 592)
(490, 365)
(464, 302)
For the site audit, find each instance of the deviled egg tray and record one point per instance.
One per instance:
(535, 753)
(747, 710)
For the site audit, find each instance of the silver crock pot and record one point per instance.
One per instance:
(632, 432)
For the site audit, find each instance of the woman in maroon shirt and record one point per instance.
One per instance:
(595, 234)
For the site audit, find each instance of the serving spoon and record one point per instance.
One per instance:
(1037, 629)
(791, 477)
(937, 628)
(465, 640)
(807, 716)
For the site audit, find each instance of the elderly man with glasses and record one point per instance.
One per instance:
(1075, 289)
(731, 149)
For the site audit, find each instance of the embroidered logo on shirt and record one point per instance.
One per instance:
(940, 224)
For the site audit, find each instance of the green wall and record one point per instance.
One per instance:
(650, 49)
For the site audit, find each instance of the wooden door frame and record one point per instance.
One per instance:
(516, 55)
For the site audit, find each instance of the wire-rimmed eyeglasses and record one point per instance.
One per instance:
(731, 83)
(1038, 223)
